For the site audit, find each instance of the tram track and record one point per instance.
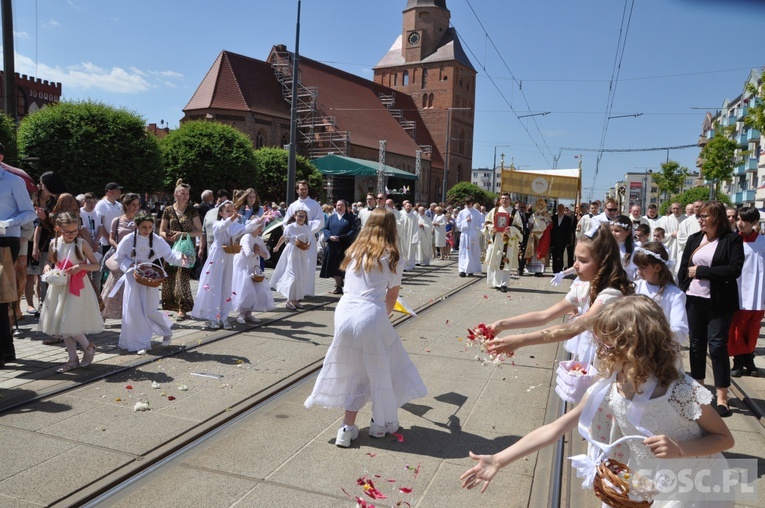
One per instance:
(112, 484)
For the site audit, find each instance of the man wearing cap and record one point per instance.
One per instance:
(15, 210)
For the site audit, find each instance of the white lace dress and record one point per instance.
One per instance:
(582, 346)
(674, 414)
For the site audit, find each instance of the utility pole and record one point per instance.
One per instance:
(292, 159)
(9, 81)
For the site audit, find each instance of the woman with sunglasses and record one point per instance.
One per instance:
(711, 263)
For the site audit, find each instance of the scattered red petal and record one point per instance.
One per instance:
(391, 481)
(129, 387)
(170, 397)
(207, 273)
(427, 350)
(399, 437)
(405, 490)
(228, 299)
(417, 471)
(234, 293)
(371, 454)
(447, 321)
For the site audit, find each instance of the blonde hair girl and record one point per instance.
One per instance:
(366, 361)
(638, 357)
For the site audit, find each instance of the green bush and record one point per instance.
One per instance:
(89, 144)
(271, 175)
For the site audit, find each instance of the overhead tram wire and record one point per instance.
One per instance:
(615, 71)
(523, 94)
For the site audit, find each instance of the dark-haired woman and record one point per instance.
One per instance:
(712, 261)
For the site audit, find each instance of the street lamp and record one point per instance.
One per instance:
(533, 114)
(634, 115)
(448, 137)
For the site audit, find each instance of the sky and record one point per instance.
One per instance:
(656, 65)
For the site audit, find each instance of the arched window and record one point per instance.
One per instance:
(260, 139)
(461, 145)
(459, 172)
(424, 101)
(285, 141)
(424, 78)
(395, 79)
(405, 79)
(430, 100)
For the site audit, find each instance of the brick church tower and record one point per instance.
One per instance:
(428, 63)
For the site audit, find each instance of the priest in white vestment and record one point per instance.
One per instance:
(671, 224)
(424, 246)
(470, 223)
(503, 243)
(689, 226)
(408, 229)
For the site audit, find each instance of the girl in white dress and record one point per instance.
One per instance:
(366, 360)
(621, 227)
(603, 279)
(657, 282)
(292, 272)
(214, 298)
(71, 310)
(659, 412)
(251, 296)
(140, 315)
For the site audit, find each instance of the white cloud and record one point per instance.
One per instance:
(53, 22)
(89, 76)
(21, 35)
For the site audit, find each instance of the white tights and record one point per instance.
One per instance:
(71, 345)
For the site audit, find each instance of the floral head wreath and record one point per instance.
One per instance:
(620, 224)
(669, 262)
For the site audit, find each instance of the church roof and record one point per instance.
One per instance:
(448, 49)
(239, 83)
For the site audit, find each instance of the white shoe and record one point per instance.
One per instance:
(141, 352)
(212, 324)
(226, 325)
(166, 340)
(253, 319)
(377, 431)
(241, 320)
(345, 435)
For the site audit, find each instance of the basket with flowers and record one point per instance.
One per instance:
(55, 277)
(149, 274)
(618, 487)
(573, 379)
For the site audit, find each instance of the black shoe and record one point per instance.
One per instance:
(538, 274)
(462, 274)
(470, 275)
(723, 411)
(736, 372)
(503, 289)
(337, 291)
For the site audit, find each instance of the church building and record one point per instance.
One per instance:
(423, 93)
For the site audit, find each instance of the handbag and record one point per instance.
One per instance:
(108, 261)
(185, 246)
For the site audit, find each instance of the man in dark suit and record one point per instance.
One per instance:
(562, 226)
(525, 216)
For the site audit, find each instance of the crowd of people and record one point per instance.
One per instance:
(693, 278)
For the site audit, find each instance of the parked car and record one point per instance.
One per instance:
(271, 236)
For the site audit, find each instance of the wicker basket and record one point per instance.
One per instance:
(149, 274)
(614, 490)
(232, 248)
(300, 244)
(257, 277)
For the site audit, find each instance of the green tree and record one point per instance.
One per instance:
(755, 116)
(466, 190)
(271, 174)
(718, 155)
(8, 139)
(670, 179)
(692, 195)
(210, 155)
(89, 144)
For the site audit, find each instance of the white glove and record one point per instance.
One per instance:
(557, 279)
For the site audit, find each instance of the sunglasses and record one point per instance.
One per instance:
(612, 209)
